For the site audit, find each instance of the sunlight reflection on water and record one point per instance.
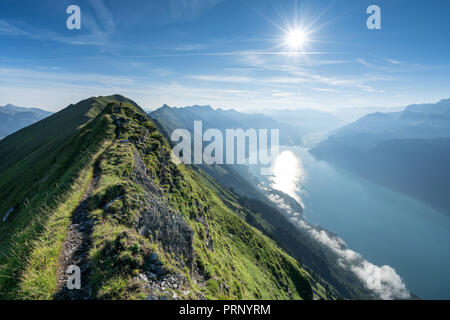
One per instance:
(288, 175)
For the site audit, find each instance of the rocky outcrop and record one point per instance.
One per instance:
(159, 221)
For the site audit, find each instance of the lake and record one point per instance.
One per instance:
(386, 227)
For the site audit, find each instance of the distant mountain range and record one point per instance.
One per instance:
(408, 151)
(309, 120)
(13, 118)
(295, 125)
(172, 118)
(352, 114)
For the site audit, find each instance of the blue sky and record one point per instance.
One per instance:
(229, 53)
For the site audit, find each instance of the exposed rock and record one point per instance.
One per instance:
(159, 221)
(120, 121)
(141, 277)
(152, 275)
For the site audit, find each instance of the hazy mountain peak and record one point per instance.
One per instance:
(443, 106)
(378, 115)
(13, 118)
(198, 107)
(444, 101)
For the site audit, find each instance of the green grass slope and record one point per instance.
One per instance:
(140, 204)
(40, 169)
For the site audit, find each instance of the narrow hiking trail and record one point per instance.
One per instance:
(78, 242)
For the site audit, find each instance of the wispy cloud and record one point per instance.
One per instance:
(7, 29)
(17, 28)
(392, 61)
(55, 89)
(185, 10)
(52, 75)
(364, 62)
(97, 26)
(104, 15)
(326, 90)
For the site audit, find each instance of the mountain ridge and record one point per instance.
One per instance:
(407, 152)
(179, 117)
(105, 160)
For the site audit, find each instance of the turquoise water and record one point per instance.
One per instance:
(386, 227)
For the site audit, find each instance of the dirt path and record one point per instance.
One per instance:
(78, 243)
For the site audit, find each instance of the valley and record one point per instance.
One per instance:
(121, 197)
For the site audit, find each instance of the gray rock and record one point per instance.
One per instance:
(141, 278)
(158, 220)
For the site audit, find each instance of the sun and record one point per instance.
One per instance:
(296, 39)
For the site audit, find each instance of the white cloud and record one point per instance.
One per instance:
(382, 280)
(391, 61)
(97, 26)
(364, 62)
(17, 28)
(8, 29)
(325, 90)
(10, 75)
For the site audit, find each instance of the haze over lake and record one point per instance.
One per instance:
(386, 227)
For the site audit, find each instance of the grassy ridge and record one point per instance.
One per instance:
(231, 259)
(41, 183)
(235, 261)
